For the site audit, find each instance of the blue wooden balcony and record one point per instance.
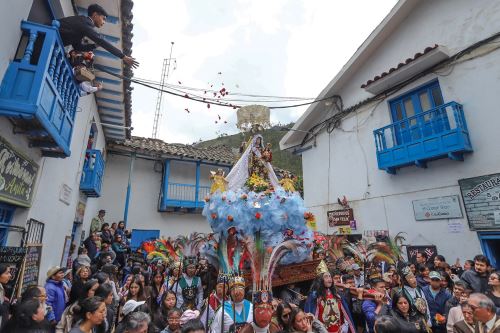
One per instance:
(92, 173)
(38, 92)
(183, 196)
(440, 132)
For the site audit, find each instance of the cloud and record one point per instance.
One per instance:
(279, 47)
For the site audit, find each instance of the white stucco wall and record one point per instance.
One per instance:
(11, 14)
(54, 172)
(345, 160)
(57, 216)
(143, 208)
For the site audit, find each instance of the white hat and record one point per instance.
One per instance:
(130, 306)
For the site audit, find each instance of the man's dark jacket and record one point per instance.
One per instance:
(74, 28)
(478, 283)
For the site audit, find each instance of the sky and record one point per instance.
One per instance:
(264, 47)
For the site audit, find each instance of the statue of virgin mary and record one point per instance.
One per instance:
(254, 161)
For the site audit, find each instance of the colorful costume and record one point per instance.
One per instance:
(330, 309)
(231, 317)
(188, 289)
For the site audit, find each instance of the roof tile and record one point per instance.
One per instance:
(221, 153)
(401, 64)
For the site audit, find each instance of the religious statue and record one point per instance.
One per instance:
(219, 183)
(254, 164)
(260, 156)
(287, 183)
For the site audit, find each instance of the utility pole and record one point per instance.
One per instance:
(165, 71)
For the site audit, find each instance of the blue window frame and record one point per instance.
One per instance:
(406, 108)
(6, 215)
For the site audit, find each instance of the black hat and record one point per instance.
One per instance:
(95, 8)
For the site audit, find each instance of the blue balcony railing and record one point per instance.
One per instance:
(93, 171)
(184, 196)
(437, 133)
(38, 91)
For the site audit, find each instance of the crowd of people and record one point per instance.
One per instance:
(104, 290)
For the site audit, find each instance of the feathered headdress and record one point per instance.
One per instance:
(264, 261)
(160, 250)
(190, 247)
(388, 251)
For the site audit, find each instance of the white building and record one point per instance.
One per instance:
(45, 127)
(168, 185)
(390, 131)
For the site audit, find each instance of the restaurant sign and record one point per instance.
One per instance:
(17, 176)
(340, 217)
(447, 207)
(481, 197)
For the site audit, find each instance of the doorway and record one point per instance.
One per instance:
(490, 244)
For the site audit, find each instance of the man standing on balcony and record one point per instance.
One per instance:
(74, 29)
(97, 222)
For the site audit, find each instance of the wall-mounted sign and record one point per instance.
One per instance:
(65, 194)
(14, 256)
(376, 233)
(447, 207)
(481, 197)
(430, 250)
(31, 267)
(65, 253)
(340, 217)
(17, 176)
(345, 230)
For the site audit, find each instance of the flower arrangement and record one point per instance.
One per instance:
(256, 183)
(310, 220)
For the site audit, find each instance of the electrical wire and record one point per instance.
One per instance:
(313, 131)
(218, 91)
(208, 98)
(201, 99)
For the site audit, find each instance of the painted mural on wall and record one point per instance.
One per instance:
(17, 176)
(481, 197)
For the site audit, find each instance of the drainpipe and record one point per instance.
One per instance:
(129, 187)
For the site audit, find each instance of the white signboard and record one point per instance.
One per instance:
(65, 194)
(455, 227)
(437, 208)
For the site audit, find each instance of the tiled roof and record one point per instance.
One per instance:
(401, 64)
(222, 154)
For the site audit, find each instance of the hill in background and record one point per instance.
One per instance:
(281, 159)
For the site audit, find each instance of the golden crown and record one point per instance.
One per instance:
(322, 268)
(236, 281)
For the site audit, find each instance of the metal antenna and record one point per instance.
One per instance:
(165, 71)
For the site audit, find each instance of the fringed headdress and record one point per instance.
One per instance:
(264, 261)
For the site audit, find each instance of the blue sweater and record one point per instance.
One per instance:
(436, 303)
(55, 297)
(369, 308)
